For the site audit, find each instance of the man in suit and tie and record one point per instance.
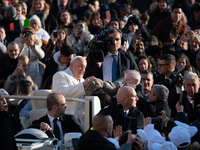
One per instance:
(55, 119)
(116, 61)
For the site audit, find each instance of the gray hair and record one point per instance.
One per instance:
(192, 75)
(135, 75)
(160, 91)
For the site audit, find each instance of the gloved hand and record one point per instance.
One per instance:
(110, 88)
(94, 85)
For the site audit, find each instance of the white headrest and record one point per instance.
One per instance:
(68, 138)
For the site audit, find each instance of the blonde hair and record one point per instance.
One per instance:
(23, 58)
(46, 9)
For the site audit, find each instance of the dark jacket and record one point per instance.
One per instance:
(192, 56)
(125, 62)
(156, 16)
(119, 118)
(7, 66)
(148, 109)
(173, 97)
(92, 140)
(50, 70)
(68, 124)
(12, 28)
(7, 140)
(163, 28)
(193, 24)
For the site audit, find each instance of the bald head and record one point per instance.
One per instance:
(127, 96)
(125, 91)
(77, 66)
(53, 99)
(103, 124)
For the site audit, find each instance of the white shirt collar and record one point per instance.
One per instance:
(51, 118)
(110, 54)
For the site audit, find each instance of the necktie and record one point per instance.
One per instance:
(56, 129)
(114, 69)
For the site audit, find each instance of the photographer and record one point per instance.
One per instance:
(166, 76)
(80, 38)
(19, 74)
(115, 61)
(30, 46)
(59, 39)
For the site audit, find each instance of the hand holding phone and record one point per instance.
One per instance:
(159, 107)
(133, 125)
(174, 31)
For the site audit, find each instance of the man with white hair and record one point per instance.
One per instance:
(70, 83)
(133, 78)
(191, 87)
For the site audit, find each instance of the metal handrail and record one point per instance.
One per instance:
(17, 97)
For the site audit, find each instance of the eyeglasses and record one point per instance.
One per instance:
(162, 64)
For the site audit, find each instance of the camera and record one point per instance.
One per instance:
(19, 66)
(157, 123)
(159, 107)
(177, 80)
(133, 125)
(99, 46)
(28, 35)
(55, 33)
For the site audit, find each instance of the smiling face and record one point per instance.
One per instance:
(2, 33)
(162, 4)
(61, 34)
(78, 68)
(13, 51)
(143, 64)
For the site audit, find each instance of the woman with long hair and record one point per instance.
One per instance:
(64, 18)
(94, 22)
(58, 39)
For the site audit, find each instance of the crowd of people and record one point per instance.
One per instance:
(141, 58)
